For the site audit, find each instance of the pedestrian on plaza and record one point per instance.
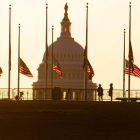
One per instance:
(100, 92)
(68, 95)
(111, 91)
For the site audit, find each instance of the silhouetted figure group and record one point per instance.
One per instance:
(100, 92)
(20, 97)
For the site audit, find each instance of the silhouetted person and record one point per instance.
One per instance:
(68, 95)
(100, 92)
(111, 91)
(21, 95)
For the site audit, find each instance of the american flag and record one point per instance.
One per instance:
(84, 53)
(24, 69)
(89, 69)
(131, 54)
(56, 67)
(134, 70)
(1, 71)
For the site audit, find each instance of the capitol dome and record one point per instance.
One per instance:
(66, 48)
(69, 54)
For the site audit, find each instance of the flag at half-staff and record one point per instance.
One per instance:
(24, 69)
(89, 69)
(1, 71)
(134, 70)
(131, 54)
(56, 67)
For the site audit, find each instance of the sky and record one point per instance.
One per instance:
(107, 20)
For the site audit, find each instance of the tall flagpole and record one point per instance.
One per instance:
(86, 54)
(129, 51)
(46, 51)
(52, 60)
(18, 57)
(124, 67)
(9, 51)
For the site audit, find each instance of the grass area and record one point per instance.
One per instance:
(69, 120)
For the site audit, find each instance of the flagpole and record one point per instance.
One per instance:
(86, 53)
(18, 57)
(46, 51)
(9, 51)
(129, 51)
(52, 59)
(124, 68)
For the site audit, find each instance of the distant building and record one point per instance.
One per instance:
(69, 54)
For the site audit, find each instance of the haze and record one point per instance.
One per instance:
(107, 20)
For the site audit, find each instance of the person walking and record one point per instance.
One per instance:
(111, 91)
(100, 92)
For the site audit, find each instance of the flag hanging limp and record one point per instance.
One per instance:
(56, 67)
(1, 71)
(24, 69)
(89, 68)
(134, 70)
(131, 54)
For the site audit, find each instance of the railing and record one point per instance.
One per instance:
(76, 94)
(28, 93)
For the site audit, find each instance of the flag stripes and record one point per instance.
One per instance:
(89, 70)
(89, 67)
(1, 71)
(56, 67)
(24, 69)
(134, 70)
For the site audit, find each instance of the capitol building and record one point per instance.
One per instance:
(69, 54)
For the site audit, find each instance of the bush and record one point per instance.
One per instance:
(56, 93)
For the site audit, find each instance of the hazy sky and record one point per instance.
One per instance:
(107, 20)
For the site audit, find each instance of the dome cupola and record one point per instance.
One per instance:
(65, 25)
